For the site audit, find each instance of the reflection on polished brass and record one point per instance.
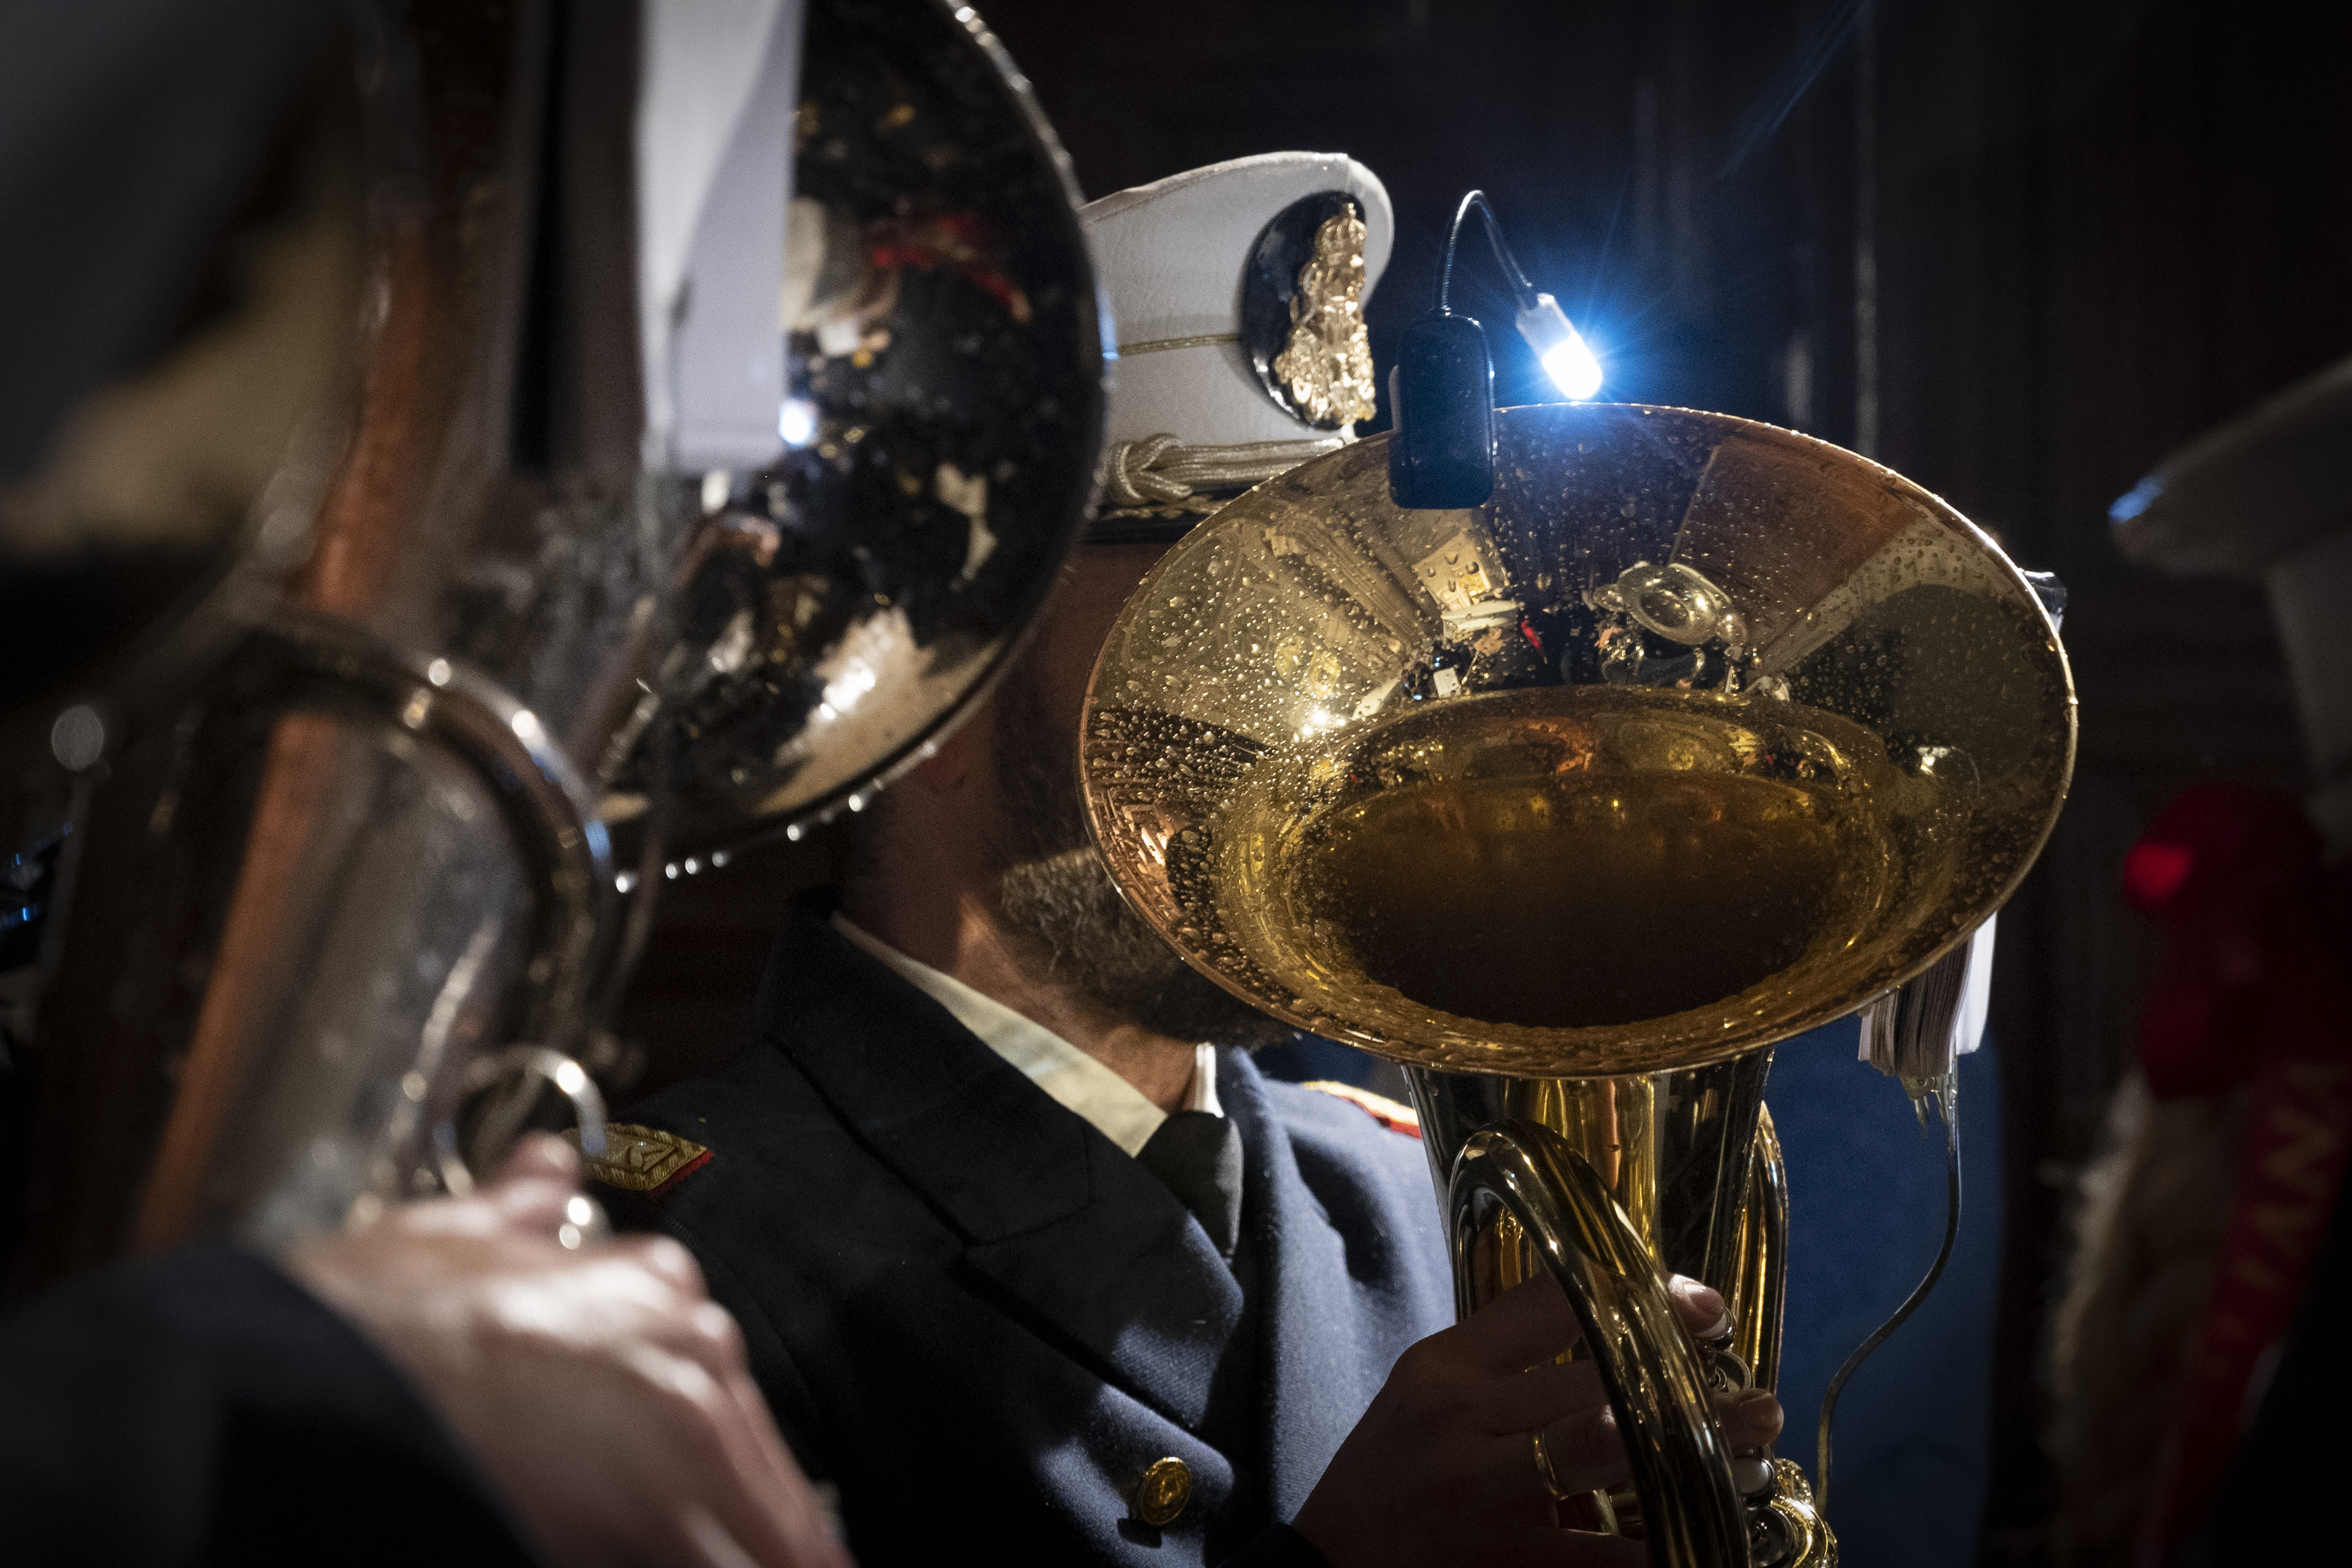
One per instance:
(1612, 871)
(1692, 1170)
(1166, 1488)
(849, 600)
(1692, 1515)
(1676, 1153)
(1758, 1275)
(1544, 1472)
(1698, 735)
(1808, 1539)
(1499, 1256)
(1564, 877)
(1608, 1121)
(1879, 713)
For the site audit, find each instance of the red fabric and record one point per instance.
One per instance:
(2232, 874)
(1396, 1118)
(957, 241)
(2251, 990)
(674, 1177)
(2152, 872)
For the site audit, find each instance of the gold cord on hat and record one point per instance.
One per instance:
(1160, 470)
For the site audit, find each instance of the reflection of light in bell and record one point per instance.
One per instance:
(842, 692)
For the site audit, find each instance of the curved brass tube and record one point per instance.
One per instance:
(1761, 1277)
(1680, 1466)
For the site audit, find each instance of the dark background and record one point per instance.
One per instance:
(2016, 251)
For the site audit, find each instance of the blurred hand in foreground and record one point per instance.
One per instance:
(602, 1391)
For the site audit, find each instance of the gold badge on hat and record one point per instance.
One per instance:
(1303, 312)
(1327, 362)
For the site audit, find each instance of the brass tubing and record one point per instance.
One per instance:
(1763, 1264)
(1706, 1177)
(1691, 1510)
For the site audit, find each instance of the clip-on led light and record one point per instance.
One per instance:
(1441, 390)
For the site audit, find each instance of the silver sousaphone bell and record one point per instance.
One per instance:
(692, 415)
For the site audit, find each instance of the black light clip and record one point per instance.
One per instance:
(1441, 390)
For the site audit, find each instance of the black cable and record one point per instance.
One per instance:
(1519, 283)
(1948, 1098)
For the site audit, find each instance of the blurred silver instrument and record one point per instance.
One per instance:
(617, 517)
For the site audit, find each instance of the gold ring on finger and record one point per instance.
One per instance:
(1544, 1472)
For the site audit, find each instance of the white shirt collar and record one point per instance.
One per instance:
(1118, 1111)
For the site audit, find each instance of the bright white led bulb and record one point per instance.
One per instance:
(1573, 369)
(1565, 358)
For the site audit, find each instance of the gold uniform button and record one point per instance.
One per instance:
(1164, 1490)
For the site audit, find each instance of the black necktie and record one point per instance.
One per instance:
(1198, 1156)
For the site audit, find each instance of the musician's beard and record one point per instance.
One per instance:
(1058, 897)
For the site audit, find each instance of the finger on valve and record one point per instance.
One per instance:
(1700, 1309)
(1566, 1401)
(1586, 1451)
(1750, 1419)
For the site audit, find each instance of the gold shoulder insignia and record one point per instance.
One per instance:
(642, 1159)
(1379, 1107)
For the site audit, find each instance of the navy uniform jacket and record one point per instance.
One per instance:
(982, 1319)
(201, 1408)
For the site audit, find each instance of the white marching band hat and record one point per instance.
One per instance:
(1238, 292)
(2268, 496)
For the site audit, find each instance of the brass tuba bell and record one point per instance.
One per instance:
(1698, 734)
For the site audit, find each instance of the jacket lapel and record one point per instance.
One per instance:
(1133, 1281)
(1319, 1321)
(1059, 1222)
